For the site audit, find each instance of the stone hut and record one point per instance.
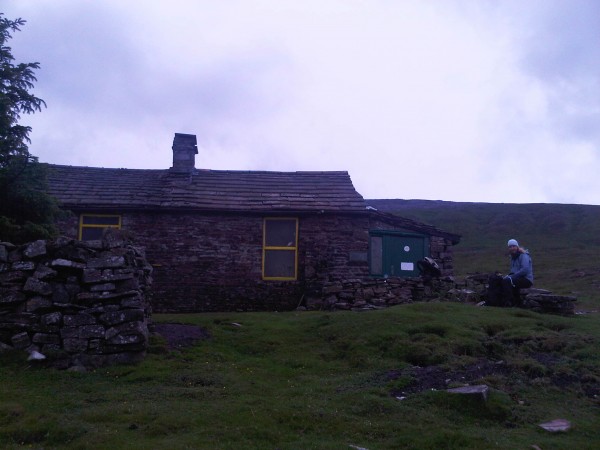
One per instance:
(223, 240)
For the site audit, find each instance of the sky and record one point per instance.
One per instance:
(457, 100)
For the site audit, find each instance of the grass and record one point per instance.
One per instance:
(317, 380)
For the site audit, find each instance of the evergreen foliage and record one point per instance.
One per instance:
(26, 212)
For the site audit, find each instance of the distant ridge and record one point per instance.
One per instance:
(582, 222)
(391, 204)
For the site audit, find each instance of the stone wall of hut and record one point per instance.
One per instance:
(213, 262)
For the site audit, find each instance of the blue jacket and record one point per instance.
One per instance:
(521, 266)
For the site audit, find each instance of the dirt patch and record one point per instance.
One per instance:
(417, 379)
(180, 335)
(439, 378)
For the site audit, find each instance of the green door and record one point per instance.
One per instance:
(399, 253)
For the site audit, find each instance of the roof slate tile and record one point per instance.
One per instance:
(209, 190)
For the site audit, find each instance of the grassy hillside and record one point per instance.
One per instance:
(319, 380)
(564, 240)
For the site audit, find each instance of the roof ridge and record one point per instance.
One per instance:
(215, 171)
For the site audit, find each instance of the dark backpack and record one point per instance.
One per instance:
(494, 294)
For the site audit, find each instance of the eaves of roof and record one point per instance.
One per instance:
(413, 225)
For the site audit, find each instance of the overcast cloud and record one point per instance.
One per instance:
(474, 100)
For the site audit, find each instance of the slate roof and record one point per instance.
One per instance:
(413, 225)
(203, 190)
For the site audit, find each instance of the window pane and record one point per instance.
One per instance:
(280, 264)
(100, 220)
(91, 233)
(376, 255)
(280, 233)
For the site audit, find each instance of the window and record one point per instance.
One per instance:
(280, 249)
(91, 226)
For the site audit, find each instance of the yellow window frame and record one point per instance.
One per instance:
(91, 225)
(293, 248)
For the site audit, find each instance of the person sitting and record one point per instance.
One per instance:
(520, 275)
(505, 290)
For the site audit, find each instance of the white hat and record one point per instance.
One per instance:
(512, 242)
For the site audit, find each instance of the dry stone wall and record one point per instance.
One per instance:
(79, 303)
(375, 293)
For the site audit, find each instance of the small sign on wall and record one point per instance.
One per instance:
(408, 266)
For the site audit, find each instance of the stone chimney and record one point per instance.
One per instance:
(184, 152)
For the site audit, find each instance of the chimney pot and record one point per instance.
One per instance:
(184, 152)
